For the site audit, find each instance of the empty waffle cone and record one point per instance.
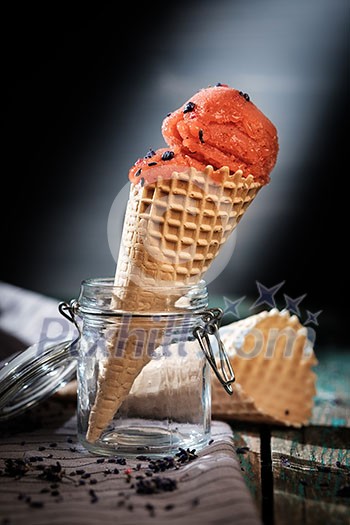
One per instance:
(173, 230)
(272, 359)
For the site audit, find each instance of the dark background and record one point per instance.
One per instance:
(85, 90)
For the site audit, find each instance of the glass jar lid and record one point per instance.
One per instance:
(33, 376)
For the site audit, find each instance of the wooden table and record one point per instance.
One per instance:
(283, 476)
(302, 476)
(250, 474)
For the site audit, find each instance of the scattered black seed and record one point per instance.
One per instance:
(200, 135)
(54, 486)
(107, 471)
(55, 493)
(45, 491)
(344, 492)
(72, 449)
(138, 466)
(50, 456)
(21, 496)
(185, 456)
(142, 182)
(169, 506)
(242, 450)
(121, 503)
(130, 506)
(152, 163)
(322, 468)
(93, 481)
(86, 475)
(286, 412)
(168, 155)
(69, 440)
(41, 449)
(242, 469)
(138, 173)
(100, 460)
(168, 114)
(285, 462)
(150, 508)
(93, 496)
(120, 461)
(189, 107)
(148, 473)
(52, 472)
(15, 468)
(80, 471)
(211, 441)
(115, 471)
(53, 445)
(218, 84)
(143, 458)
(112, 460)
(73, 473)
(195, 502)
(155, 485)
(150, 153)
(36, 504)
(82, 482)
(33, 459)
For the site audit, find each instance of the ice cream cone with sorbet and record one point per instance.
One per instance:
(184, 202)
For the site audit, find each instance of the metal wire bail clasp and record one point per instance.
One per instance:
(212, 318)
(68, 311)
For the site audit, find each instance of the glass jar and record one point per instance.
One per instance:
(143, 376)
(165, 401)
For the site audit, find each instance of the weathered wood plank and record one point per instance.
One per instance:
(311, 468)
(332, 402)
(247, 444)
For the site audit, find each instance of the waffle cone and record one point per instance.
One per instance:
(272, 359)
(173, 230)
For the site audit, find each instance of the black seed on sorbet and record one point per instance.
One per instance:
(150, 153)
(189, 107)
(168, 155)
(200, 134)
(100, 460)
(152, 163)
(138, 173)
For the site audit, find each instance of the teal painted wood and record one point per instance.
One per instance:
(311, 465)
(332, 401)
